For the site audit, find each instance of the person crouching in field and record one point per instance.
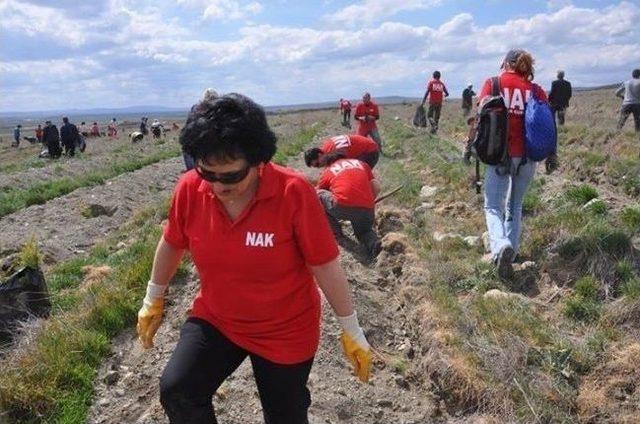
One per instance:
(347, 190)
(629, 92)
(260, 241)
(352, 146)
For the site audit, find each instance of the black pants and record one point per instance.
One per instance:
(559, 112)
(370, 159)
(204, 358)
(433, 114)
(628, 110)
(54, 149)
(361, 219)
(69, 148)
(346, 118)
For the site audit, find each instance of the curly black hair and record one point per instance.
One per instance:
(635, 73)
(228, 128)
(311, 155)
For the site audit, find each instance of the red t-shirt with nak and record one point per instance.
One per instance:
(352, 145)
(255, 283)
(436, 90)
(516, 90)
(366, 109)
(349, 180)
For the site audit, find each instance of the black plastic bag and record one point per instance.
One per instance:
(22, 296)
(420, 117)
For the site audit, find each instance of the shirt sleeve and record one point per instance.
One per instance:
(174, 230)
(485, 91)
(542, 95)
(359, 113)
(324, 182)
(311, 227)
(376, 111)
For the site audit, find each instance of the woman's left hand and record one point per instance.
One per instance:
(358, 351)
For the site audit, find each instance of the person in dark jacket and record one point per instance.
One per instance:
(69, 135)
(51, 139)
(559, 96)
(467, 100)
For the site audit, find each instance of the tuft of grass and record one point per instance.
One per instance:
(630, 217)
(30, 254)
(532, 202)
(581, 194)
(583, 305)
(631, 289)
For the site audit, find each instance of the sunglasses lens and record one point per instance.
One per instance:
(224, 178)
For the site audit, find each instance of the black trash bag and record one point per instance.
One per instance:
(23, 295)
(420, 117)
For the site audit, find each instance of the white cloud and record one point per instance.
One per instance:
(224, 9)
(369, 11)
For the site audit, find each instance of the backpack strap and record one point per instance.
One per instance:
(495, 86)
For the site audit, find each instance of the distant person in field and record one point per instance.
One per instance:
(156, 129)
(345, 109)
(467, 100)
(264, 251)
(143, 126)
(347, 190)
(84, 131)
(629, 92)
(559, 97)
(112, 128)
(39, 133)
(95, 130)
(505, 187)
(69, 136)
(51, 139)
(352, 146)
(436, 92)
(16, 135)
(367, 113)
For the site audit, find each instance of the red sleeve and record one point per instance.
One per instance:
(540, 93)
(359, 111)
(429, 87)
(377, 111)
(327, 146)
(174, 233)
(325, 180)
(311, 227)
(485, 91)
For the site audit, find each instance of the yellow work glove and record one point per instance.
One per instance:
(355, 346)
(150, 315)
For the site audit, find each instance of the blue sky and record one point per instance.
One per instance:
(115, 53)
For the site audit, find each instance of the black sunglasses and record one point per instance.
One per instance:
(224, 177)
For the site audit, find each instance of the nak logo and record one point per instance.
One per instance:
(259, 239)
(515, 100)
(341, 141)
(340, 166)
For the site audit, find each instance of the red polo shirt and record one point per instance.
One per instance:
(349, 180)
(345, 105)
(436, 90)
(255, 283)
(516, 90)
(362, 110)
(352, 145)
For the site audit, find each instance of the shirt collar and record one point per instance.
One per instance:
(267, 187)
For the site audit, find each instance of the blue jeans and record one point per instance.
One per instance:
(503, 197)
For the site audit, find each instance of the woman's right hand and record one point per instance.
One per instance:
(149, 319)
(357, 350)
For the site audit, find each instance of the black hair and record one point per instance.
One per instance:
(331, 157)
(65, 120)
(635, 73)
(227, 128)
(436, 74)
(311, 155)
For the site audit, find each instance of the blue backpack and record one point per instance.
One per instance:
(541, 137)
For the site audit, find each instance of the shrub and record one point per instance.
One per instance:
(587, 288)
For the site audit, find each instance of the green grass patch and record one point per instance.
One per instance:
(532, 202)
(292, 146)
(583, 305)
(631, 289)
(630, 217)
(581, 194)
(16, 199)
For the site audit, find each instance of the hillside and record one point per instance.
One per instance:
(454, 344)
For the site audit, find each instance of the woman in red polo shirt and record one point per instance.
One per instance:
(347, 190)
(504, 189)
(258, 237)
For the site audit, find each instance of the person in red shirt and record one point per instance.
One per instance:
(345, 109)
(95, 130)
(504, 189)
(436, 91)
(39, 133)
(367, 113)
(262, 245)
(347, 190)
(352, 146)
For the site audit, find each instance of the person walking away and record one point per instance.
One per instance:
(112, 128)
(367, 113)
(83, 129)
(16, 135)
(345, 109)
(467, 100)
(352, 146)
(262, 246)
(69, 136)
(436, 91)
(347, 190)
(559, 97)
(39, 133)
(143, 126)
(51, 139)
(505, 185)
(629, 92)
